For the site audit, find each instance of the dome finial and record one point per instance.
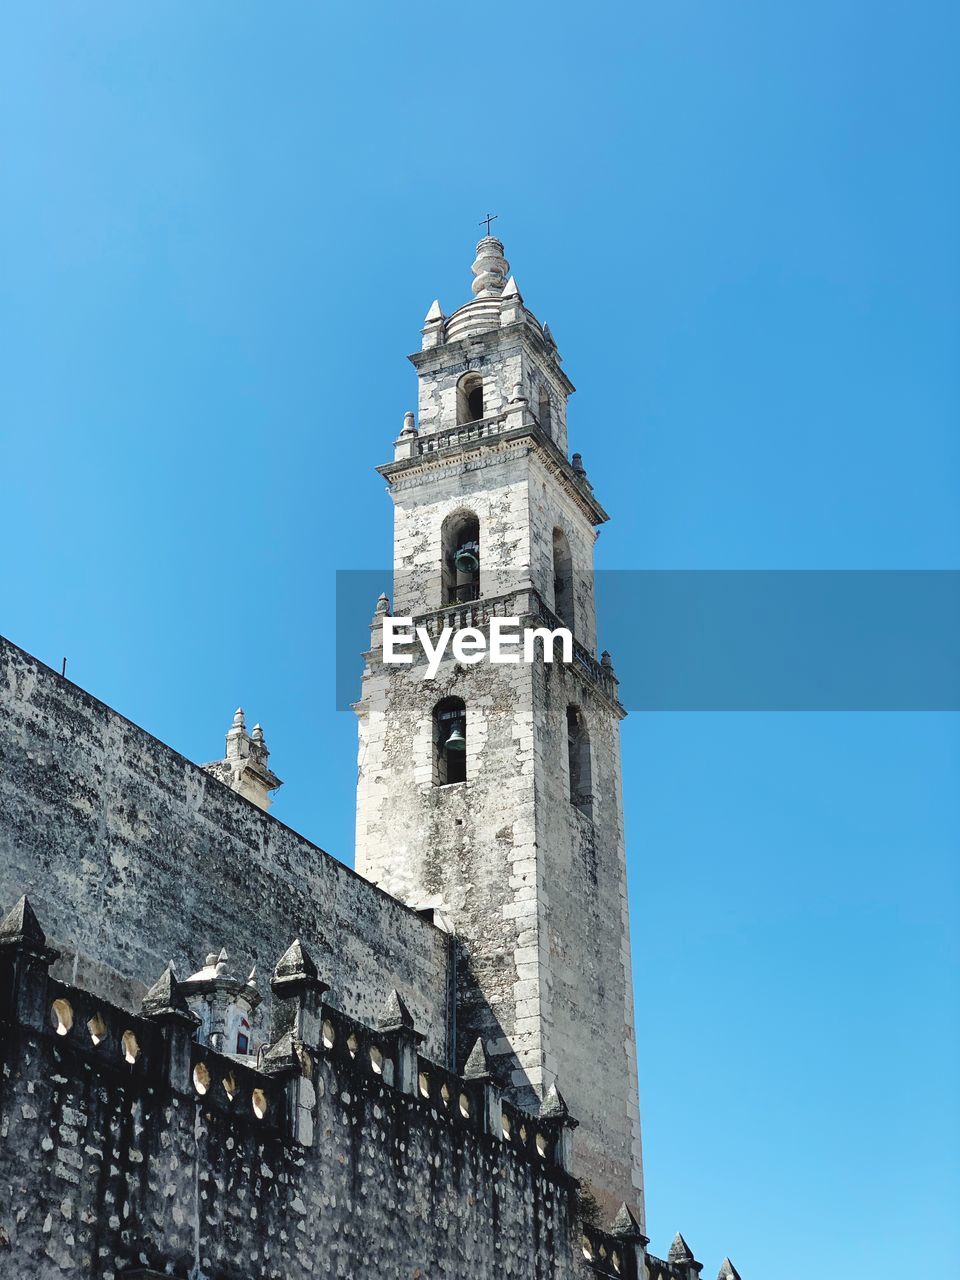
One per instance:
(490, 268)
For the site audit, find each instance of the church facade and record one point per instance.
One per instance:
(226, 1055)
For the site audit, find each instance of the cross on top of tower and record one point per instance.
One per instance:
(491, 217)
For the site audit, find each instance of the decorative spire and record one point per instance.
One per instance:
(511, 290)
(728, 1271)
(680, 1250)
(21, 925)
(435, 313)
(244, 765)
(477, 1065)
(409, 424)
(490, 268)
(580, 471)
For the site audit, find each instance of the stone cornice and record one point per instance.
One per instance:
(440, 449)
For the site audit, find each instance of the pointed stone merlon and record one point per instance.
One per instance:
(434, 326)
(728, 1271)
(555, 1116)
(405, 445)
(396, 1021)
(297, 997)
(681, 1255)
(477, 1068)
(164, 1003)
(23, 944)
(244, 767)
(511, 304)
(297, 1031)
(627, 1227)
(21, 928)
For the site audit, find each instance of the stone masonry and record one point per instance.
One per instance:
(533, 886)
(128, 1149)
(134, 856)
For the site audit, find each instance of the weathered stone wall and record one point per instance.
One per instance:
(106, 1165)
(552, 508)
(134, 856)
(536, 889)
(587, 1004)
(467, 850)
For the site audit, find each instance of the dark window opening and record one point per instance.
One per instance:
(578, 758)
(469, 398)
(449, 742)
(562, 578)
(475, 404)
(543, 413)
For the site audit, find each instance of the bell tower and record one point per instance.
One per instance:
(491, 794)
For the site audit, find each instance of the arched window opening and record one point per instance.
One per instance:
(449, 742)
(460, 570)
(543, 412)
(578, 756)
(469, 399)
(562, 578)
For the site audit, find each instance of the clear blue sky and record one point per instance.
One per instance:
(220, 228)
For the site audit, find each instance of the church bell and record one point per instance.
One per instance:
(467, 558)
(456, 741)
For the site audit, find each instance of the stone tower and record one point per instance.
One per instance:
(491, 794)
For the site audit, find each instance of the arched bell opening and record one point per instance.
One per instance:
(460, 568)
(449, 742)
(543, 412)
(562, 579)
(579, 762)
(469, 399)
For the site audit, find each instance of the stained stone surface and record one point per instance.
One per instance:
(133, 857)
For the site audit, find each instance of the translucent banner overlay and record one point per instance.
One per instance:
(738, 640)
